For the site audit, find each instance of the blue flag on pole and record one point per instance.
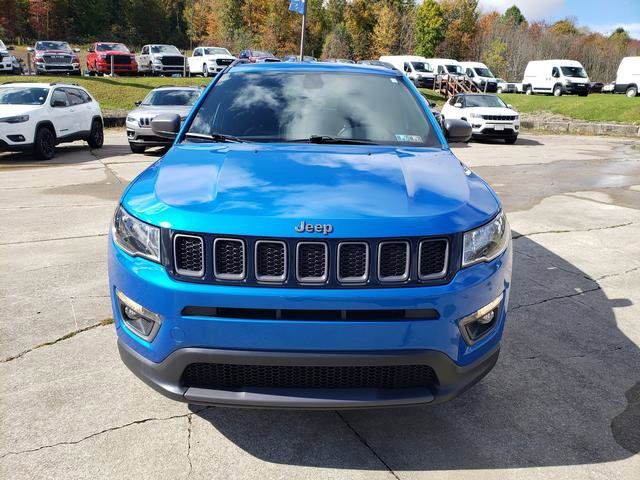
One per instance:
(298, 6)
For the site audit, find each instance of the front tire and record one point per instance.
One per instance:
(631, 92)
(510, 140)
(96, 137)
(557, 91)
(528, 90)
(44, 146)
(137, 148)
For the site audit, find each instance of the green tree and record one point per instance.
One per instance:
(564, 27)
(620, 35)
(429, 27)
(514, 14)
(336, 43)
(461, 17)
(360, 20)
(495, 57)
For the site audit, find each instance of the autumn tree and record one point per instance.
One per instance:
(360, 20)
(336, 44)
(385, 32)
(429, 27)
(461, 17)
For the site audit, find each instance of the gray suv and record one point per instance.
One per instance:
(169, 99)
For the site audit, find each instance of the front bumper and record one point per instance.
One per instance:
(424, 82)
(182, 340)
(489, 129)
(57, 68)
(576, 88)
(158, 68)
(137, 135)
(104, 67)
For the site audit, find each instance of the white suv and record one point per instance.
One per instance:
(38, 116)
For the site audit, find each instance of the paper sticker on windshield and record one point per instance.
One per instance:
(408, 138)
(393, 80)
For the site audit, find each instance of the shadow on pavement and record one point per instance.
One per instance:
(565, 391)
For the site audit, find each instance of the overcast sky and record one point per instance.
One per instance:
(599, 15)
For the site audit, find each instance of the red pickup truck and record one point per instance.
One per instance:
(103, 54)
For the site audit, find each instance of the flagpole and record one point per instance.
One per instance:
(304, 21)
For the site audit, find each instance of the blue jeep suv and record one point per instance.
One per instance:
(309, 241)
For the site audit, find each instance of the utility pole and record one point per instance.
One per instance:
(304, 22)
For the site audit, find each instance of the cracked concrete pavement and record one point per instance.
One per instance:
(562, 402)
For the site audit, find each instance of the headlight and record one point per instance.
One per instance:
(131, 119)
(157, 61)
(136, 237)
(487, 242)
(475, 115)
(16, 119)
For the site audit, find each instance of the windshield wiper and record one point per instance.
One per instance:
(336, 140)
(214, 137)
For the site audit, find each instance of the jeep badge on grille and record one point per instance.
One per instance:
(324, 228)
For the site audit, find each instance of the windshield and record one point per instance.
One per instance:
(484, 72)
(422, 67)
(53, 46)
(260, 53)
(164, 49)
(175, 98)
(454, 69)
(484, 101)
(216, 51)
(576, 72)
(111, 47)
(294, 106)
(23, 96)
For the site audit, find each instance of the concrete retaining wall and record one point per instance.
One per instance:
(582, 128)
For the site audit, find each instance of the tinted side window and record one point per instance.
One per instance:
(86, 98)
(59, 96)
(74, 96)
(145, 50)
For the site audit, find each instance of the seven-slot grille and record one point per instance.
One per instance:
(172, 60)
(499, 117)
(232, 376)
(292, 262)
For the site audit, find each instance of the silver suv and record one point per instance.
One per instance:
(168, 99)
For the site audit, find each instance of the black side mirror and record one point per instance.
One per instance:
(457, 130)
(58, 103)
(166, 125)
(138, 103)
(90, 50)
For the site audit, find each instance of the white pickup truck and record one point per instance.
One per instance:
(207, 61)
(161, 60)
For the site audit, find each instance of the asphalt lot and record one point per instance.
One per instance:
(562, 403)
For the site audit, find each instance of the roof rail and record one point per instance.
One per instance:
(63, 83)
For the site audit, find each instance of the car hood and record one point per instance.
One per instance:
(152, 110)
(491, 111)
(13, 110)
(268, 189)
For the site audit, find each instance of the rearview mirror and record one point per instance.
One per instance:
(58, 103)
(138, 103)
(509, 106)
(76, 50)
(457, 130)
(166, 125)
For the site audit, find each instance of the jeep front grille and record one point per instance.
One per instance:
(503, 118)
(312, 263)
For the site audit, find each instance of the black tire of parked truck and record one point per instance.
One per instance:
(557, 90)
(511, 140)
(632, 91)
(137, 148)
(44, 144)
(528, 89)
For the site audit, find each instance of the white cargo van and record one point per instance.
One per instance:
(480, 74)
(628, 77)
(416, 68)
(445, 68)
(555, 76)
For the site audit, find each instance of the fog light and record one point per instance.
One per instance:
(141, 321)
(16, 138)
(475, 326)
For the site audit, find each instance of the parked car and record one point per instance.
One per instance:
(161, 60)
(481, 76)
(343, 258)
(296, 58)
(557, 77)
(169, 99)
(207, 61)
(8, 63)
(628, 77)
(487, 114)
(609, 87)
(446, 68)
(254, 55)
(109, 57)
(595, 87)
(38, 116)
(51, 57)
(416, 68)
(376, 63)
(506, 87)
(268, 60)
